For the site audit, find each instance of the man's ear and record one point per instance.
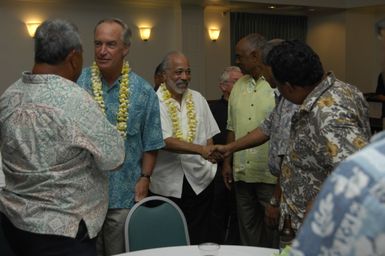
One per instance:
(74, 63)
(289, 86)
(126, 50)
(254, 54)
(75, 59)
(164, 76)
(222, 87)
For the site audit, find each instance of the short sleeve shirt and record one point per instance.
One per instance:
(331, 124)
(347, 217)
(57, 147)
(144, 132)
(250, 102)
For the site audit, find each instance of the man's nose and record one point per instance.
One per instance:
(103, 49)
(184, 76)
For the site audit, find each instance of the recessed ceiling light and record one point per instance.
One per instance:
(271, 7)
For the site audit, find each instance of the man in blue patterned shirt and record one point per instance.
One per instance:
(57, 147)
(348, 215)
(131, 104)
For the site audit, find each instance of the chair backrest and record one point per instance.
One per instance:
(155, 222)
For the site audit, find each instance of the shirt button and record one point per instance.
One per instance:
(252, 105)
(249, 118)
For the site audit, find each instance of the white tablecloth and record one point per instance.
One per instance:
(225, 250)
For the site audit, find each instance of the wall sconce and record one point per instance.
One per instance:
(32, 26)
(145, 33)
(214, 34)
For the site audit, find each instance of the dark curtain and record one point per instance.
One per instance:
(270, 26)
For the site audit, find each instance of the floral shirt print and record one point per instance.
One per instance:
(144, 132)
(2, 179)
(277, 127)
(331, 124)
(56, 146)
(348, 215)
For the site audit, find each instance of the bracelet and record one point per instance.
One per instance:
(143, 175)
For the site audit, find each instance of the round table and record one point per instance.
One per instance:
(192, 250)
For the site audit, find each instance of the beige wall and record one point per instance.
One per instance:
(327, 36)
(218, 52)
(345, 40)
(17, 47)
(361, 62)
(347, 44)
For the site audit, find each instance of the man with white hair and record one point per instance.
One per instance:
(182, 171)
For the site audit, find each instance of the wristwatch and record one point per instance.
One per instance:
(274, 202)
(143, 175)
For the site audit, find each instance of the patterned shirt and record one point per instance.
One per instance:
(55, 144)
(348, 215)
(277, 127)
(250, 102)
(2, 179)
(144, 132)
(331, 124)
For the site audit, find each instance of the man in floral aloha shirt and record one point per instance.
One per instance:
(331, 124)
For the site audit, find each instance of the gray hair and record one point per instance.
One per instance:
(54, 40)
(165, 64)
(255, 40)
(158, 69)
(126, 35)
(267, 48)
(226, 73)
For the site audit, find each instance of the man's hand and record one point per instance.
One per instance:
(209, 153)
(227, 173)
(206, 151)
(141, 188)
(272, 216)
(224, 150)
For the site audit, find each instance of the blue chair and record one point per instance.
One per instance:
(155, 222)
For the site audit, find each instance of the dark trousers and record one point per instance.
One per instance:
(224, 221)
(28, 244)
(196, 210)
(251, 199)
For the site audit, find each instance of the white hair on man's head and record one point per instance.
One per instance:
(226, 73)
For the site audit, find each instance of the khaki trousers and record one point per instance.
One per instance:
(110, 239)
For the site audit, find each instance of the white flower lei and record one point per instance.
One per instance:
(124, 95)
(173, 113)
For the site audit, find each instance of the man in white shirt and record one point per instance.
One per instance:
(182, 171)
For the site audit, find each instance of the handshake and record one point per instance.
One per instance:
(215, 153)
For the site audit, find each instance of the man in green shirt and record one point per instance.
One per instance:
(251, 100)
